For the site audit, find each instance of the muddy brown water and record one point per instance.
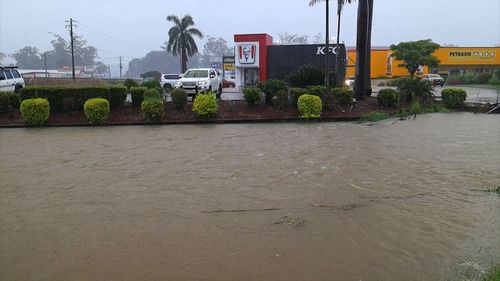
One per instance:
(392, 201)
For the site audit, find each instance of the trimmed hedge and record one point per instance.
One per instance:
(251, 95)
(179, 98)
(96, 110)
(388, 97)
(205, 105)
(71, 98)
(4, 103)
(483, 78)
(310, 106)
(35, 112)
(152, 109)
(319, 91)
(9, 101)
(453, 98)
(137, 94)
(152, 94)
(270, 88)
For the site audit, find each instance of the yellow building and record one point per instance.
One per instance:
(453, 60)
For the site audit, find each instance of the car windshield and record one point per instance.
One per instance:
(196, 73)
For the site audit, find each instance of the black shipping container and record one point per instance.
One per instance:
(283, 59)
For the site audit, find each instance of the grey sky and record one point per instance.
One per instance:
(140, 25)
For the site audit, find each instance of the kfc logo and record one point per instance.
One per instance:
(246, 53)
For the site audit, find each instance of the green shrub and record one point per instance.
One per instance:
(415, 107)
(343, 95)
(4, 103)
(412, 89)
(453, 98)
(494, 81)
(310, 106)
(306, 75)
(72, 97)
(251, 95)
(152, 109)
(205, 105)
(35, 112)
(179, 98)
(130, 83)
(152, 94)
(455, 80)
(282, 96)
(483, 78)
(497, 73)
(317, 90)
(137, 94)
(374, 116)
(151, 84)
(96, 110)
(388, 97)
(117, 96)
(14, 100)
(295, 93)
(270, 88)
(393, 82)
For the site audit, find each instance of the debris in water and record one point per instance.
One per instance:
(290, 221)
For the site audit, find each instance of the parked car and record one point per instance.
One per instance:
(199, 80)
(435, 79)
(167, 81)
(228, 83)
(10, 79)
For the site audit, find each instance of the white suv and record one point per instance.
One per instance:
(10, 79)
(435, 79)
(197, 80)
(167, 81)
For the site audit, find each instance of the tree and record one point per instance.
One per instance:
(362, 83)
(215, 47)
(414, 54)
(290, 39)
(85, 55)
(28, 58)
(2, 56)
(181, 41)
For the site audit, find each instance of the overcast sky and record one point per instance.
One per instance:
(132, 28)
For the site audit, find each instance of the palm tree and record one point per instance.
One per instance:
(181, 41)
(362, 84)
(340, 5)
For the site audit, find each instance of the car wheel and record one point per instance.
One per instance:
(18, 88)
(219, 92)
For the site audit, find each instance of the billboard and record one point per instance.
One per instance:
(247, 54)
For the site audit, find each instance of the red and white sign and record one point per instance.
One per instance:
(247, 54)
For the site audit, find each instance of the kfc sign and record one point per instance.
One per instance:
(322, 50)
(247, 54)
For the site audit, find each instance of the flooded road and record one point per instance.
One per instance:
(290, 201)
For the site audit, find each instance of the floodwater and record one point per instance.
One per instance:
(289, 201)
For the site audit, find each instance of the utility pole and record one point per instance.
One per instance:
(109, 71)
(72, 47)
(327, 43)
(120, 67)
(45, 60)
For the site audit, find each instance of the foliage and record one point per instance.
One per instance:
(453, 98)
(72, 97)
(137, 94)
(205, 105)
(9, 101)
(215, 47)
(483, 78)
(181, 42)
(393, 82)
(374, 117)
(461, 80)
(413, 89)
(343, 95)
(179, 98)
(295, 93)
(494, 81)
(152, 94)
(415, 107)
(152, 109)
(251, 95)
(309, 106)
(388, 97)
(282, 96)
(4, 103)
(130, 83)
(497, 73)
(270, 88)
(96, 110)
(35, 112)
(306, 75)
(318, 91)
(28, 58)
(414, 54)
(494, 273)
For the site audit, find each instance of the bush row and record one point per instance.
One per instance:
(71, 98)
(481, 78)
(9, 101)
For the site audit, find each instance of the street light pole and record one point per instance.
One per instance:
(45, 60)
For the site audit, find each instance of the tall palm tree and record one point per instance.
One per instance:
(368, 83)
(180, 38)
(340, 5)
(362, 84)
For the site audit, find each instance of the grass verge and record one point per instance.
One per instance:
(374, 117)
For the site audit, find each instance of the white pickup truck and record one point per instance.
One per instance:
(197, 80)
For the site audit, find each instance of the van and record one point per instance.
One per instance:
(10, 79)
